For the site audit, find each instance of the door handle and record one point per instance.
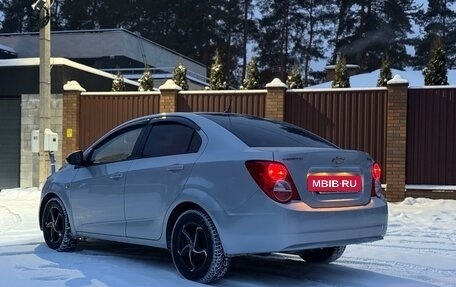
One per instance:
(116, 175)
(175, 167)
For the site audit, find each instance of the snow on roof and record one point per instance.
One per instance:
(328, 67)
(60, 61)
(415, 79)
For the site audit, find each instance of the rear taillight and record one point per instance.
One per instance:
(376, 171)
(376, 184)
(274, 179)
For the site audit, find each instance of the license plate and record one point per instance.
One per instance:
(334, 183)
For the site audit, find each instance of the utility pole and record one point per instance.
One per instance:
(44, 7)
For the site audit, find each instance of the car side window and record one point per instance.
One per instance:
(118, 148)
(171, 139)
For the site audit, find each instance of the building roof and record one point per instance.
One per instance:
(20, 62)
(24, 73)
(106, 49)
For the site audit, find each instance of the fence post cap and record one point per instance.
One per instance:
(73, 86)
(276, 83)
(397, 79)
(170, 85)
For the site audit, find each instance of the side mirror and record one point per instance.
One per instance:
(75, 158)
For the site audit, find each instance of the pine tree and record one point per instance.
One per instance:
(118, 84)
(398, 16)
(294, 80)
(252, 79)
(367, 28)
(385, 72)
(436, 72)
(318, 16)
(81, 14)
(298, 32)
(18, 16)
(180, 76)
(228, 36)
(248, 27)
(146, 82)
(279, 22)
(211, 24)
(216, 80)
(341, 78)
(438, 20)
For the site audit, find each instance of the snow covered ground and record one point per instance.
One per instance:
(419, 250)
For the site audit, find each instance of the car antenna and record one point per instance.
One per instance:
(228, 110)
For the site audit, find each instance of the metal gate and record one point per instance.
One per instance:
(100, 113)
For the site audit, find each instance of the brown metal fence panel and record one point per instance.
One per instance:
(431, 136)
(247, 102)
(352, 119)
(102, 112)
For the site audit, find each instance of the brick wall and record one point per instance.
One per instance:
(275, 100)
(169, 91)
(70, 122)
(168, 101)
(396, 139)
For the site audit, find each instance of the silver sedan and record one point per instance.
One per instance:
(211, 186)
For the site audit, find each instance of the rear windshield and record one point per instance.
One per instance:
(258, 132)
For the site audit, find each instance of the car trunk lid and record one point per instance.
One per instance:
(327, 177)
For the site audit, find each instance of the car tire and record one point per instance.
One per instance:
(322, 255)
(196, 248)
(56, 227)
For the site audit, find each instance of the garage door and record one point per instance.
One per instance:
(10, 137)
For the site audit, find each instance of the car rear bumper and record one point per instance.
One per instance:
(296, 226)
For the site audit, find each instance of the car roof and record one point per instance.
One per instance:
(188, 115)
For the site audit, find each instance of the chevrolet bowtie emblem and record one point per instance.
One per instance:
(338, 160)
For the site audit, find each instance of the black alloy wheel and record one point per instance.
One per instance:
(193, 246)
(56, 227)
(196, 248)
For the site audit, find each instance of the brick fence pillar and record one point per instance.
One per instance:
(70, 118)
(275, 100)
(396, 138)
(168, 96)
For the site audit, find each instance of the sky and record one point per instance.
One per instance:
(419, 250)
